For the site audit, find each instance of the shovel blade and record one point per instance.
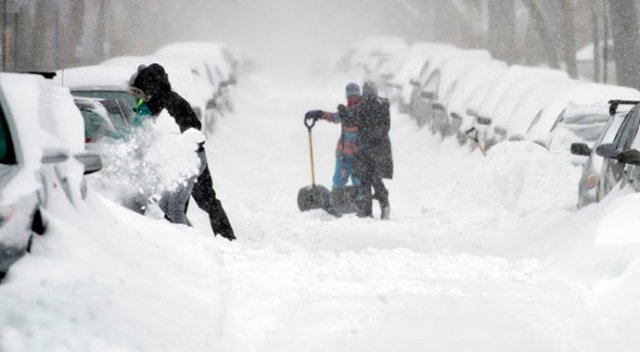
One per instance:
(313, 197)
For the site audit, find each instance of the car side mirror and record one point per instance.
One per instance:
(92, 161)
(581, 149)
(54, 155)
(438, 106)
(629, 156)
(608, 150)
(516, 137)
(428, 95)
(483, 120)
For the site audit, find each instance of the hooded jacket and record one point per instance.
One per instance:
(154, 82)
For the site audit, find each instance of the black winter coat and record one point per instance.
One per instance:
(373, 143)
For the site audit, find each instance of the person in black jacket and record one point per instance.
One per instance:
(373, 150)
(151, 83)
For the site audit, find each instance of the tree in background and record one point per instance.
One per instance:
(626, 41)
(501, 34)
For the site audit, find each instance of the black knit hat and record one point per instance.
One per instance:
(151, 79)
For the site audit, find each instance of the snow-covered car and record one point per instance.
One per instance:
(421, 98)
(43, 159)
(441, 86)
(484, 108)
(587, 95)
(418, 53)
(523, 104)
(374, 58)
(473, 84)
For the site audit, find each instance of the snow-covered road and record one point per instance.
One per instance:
(480, 254)
(431, 278)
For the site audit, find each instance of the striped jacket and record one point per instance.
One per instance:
(347, 142)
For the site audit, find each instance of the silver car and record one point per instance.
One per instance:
(36, 165)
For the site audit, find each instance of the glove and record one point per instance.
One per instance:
(313, 114)
(342, 110)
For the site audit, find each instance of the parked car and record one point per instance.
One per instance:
(591, 176)
(400, 85)
(472, 85)
(42, 160)
(421, 100)
(587, 95)
(483, 109)
(619, 153)
(523, 104)
(442, 84)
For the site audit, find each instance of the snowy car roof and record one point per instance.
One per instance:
(451, 70)
(441, 57)
(533, 102)
(471, 81)
(522, 90)
(585, 94)
(415, 58)
(486, 107)
(94, 75)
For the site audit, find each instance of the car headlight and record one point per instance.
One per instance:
(7, 212)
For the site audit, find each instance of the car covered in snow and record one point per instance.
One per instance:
(484, 108)
(585, 97)
(42, 159)
(524, 104)
(473, 84)
(424, 84)
(409, 67)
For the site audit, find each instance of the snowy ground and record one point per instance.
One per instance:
(479, 254)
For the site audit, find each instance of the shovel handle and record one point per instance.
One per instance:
(309, 123)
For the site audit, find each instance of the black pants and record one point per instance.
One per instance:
(205, 196)
(369, 177)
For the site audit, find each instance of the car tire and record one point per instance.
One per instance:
(38, 225)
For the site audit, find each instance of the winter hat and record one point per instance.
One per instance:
(352, 89)
(369, 90)
(150, 79)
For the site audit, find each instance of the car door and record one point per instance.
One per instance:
(612, 170)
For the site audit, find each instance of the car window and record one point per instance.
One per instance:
(433, 83)
(623, 135)
(95, 126)
(115, 112)
(7, 153)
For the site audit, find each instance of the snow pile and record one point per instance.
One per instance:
(155, 158)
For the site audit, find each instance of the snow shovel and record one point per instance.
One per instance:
(313, 196)
(472, 134)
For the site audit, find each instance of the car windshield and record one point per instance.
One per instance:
(121, 95)
(7, 154)
(95, 126)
